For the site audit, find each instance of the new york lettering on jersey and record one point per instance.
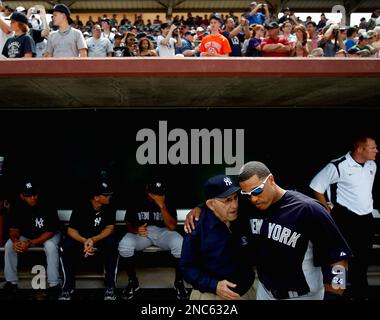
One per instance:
(148, 216)
(148, 212)
(275, 232)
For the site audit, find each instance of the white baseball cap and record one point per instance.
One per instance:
(329, 22)
(200, 29)
(20, 9)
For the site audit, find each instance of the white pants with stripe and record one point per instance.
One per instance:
(159, 237)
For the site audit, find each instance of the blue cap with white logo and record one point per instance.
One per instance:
(102, 187)
(220, 186)
(29, 188)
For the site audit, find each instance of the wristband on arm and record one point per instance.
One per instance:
(335, 275)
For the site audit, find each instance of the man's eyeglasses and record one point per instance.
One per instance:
(256, 190)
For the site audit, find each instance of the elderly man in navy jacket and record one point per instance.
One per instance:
(213, 259)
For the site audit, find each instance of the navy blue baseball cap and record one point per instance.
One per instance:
(29, 188)
(217, 16)
(107, 20)
(60, 7)
(220, 186)
(156, 187)
(19, 17)
(102, 187)
(192, 32)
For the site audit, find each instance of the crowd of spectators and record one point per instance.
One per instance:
(256, 33)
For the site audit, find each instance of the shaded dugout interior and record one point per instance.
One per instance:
(65, 148)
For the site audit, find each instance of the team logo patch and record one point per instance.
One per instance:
(227, 181)
(39, 222)
(97, 221)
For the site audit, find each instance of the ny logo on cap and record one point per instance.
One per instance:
(29, 185)
(227, 181)
(158, 184)
(104, 185)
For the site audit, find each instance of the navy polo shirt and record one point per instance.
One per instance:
(215, 252)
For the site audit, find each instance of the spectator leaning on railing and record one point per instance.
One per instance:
(66, 41)
(331, 41)
(119, 49)
(215, 45)
(146, 48)
(167, 43)
(273, 45)
(363, 47)
(99, 46)
(351, 38)
(21, 45)
(236, 35)
(254, 44)
(303, 46)
(313, 34)
(187, 48)
(131, 44)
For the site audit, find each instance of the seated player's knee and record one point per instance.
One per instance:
(176, 244)
(8, 245)
(50, 246)
(126, 247)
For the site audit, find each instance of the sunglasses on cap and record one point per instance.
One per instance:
(256, 190)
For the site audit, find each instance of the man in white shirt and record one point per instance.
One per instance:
(348, 182)
(166, 43)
